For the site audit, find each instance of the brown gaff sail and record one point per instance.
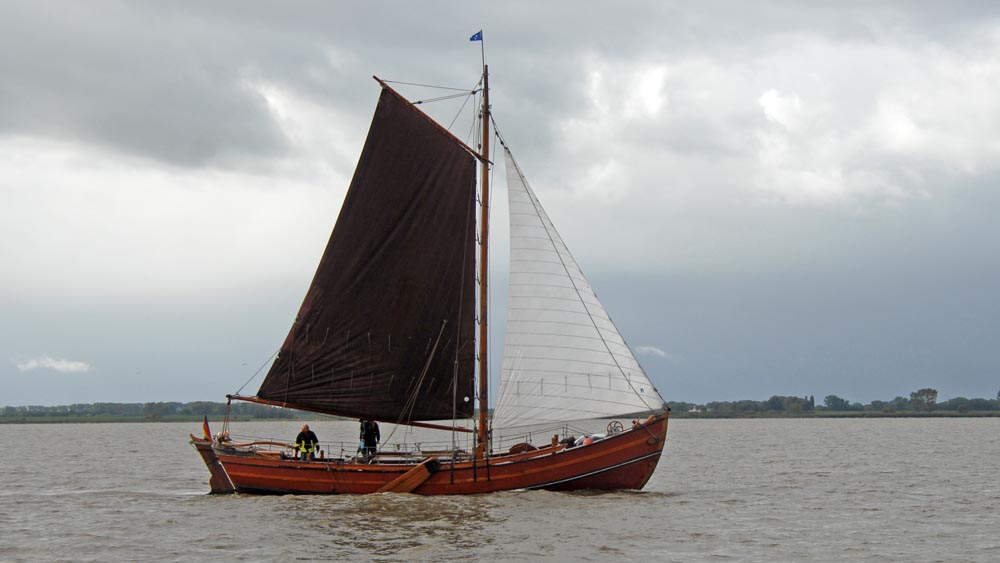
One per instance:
(386, 329)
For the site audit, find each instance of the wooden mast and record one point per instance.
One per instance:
(484, 386)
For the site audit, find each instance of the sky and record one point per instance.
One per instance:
(770, 198)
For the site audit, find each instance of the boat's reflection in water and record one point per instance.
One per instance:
(394, 524)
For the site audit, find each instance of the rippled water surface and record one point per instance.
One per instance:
(737, 490)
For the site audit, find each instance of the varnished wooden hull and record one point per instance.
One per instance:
(623, 461)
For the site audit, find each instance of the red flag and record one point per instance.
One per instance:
(205, 430)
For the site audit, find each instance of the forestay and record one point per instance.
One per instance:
(564, 359)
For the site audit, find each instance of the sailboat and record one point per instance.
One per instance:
(387, 332)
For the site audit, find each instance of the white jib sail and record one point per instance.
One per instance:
(563, 357)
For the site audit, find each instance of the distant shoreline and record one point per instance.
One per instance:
(674, 415)
(841, 414)
(921, 404)
(114, 419)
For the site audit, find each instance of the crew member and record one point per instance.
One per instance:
(306, 442)
(370, 437)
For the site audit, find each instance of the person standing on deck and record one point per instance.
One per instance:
(370, 436)
(306, 443)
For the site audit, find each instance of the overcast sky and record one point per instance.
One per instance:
(786, 198)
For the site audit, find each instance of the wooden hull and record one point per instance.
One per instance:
(623, 461)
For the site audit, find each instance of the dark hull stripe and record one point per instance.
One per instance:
(602, 470)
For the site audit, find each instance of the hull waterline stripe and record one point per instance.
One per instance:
(574, 478)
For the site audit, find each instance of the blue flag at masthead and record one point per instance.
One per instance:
(478, 36)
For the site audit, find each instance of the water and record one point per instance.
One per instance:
(725, 490)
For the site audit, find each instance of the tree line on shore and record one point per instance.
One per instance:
(148, 411)
(920, 401)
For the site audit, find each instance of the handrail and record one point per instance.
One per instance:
(258, 443)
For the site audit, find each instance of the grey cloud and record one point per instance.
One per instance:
(170, 82)
(139, 82)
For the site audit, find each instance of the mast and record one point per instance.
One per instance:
(484, 386)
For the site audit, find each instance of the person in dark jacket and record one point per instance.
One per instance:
(370, 437)
(307, 443)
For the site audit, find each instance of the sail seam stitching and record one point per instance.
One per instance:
(545, 223)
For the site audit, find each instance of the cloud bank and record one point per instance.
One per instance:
(742, 179)
(53, 364)
(653, 351)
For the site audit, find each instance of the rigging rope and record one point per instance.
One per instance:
(440, 98)
(458, 328)
(489, 292)
(426, 85)
(267, 361)
(496, 130)
(472, 93)
(406, 413)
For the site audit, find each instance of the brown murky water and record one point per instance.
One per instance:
(739, 490)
